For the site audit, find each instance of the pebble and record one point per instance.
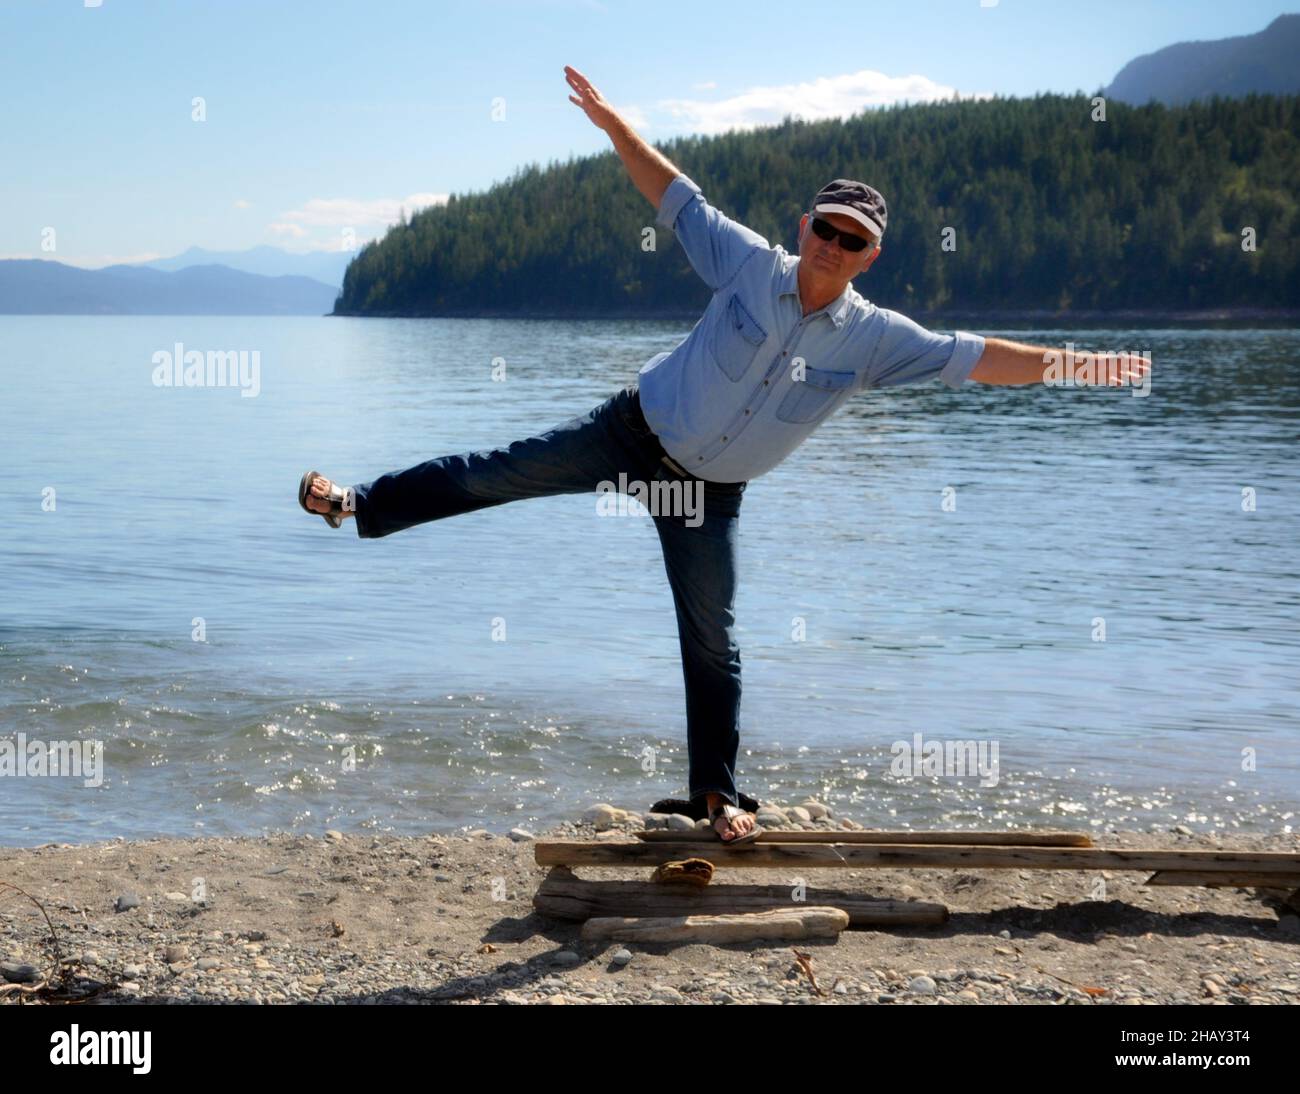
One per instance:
(922, 985)
(175, 953)
(521, 835)
(621, 957)
(18, 973)
(602, 816)
(126, 901)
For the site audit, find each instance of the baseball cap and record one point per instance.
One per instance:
(857, 200)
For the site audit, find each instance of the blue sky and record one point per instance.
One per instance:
(330, 115)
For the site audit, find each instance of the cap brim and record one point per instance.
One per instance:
(856, 214)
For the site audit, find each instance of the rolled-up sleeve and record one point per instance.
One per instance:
(716, 245)
(907, 353)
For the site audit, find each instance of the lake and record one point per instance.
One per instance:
(249, 669)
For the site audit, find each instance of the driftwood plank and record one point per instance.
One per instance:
(564, 895)
(970, 839)
(1242, 879)
(776, 923)
(794, 856)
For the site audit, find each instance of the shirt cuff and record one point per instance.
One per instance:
(965, 356)
(679, 192)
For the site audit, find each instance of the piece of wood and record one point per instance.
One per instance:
(782, 924)
(564, 895)
(970, 839)
(805, 856)
(1241, 880)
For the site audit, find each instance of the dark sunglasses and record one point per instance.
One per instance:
(826, 230)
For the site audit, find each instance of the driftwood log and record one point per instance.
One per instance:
(563, 895)
(785, 924)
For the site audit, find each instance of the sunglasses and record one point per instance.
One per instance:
(850, 242)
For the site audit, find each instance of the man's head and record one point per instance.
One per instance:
(842, 206)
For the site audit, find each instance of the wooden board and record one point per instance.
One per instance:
(972, 839)
(1241, 880)
(788, 924)
(803, 856)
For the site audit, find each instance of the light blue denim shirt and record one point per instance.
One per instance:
(756, 376)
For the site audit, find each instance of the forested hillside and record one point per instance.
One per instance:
(1051, 209)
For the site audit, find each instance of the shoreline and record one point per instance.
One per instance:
(1228, 318)
(360, 918)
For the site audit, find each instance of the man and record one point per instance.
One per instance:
(782, 345)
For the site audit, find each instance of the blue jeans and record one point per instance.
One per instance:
(699, 555)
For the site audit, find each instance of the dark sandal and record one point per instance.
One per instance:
(726, 811)
(339, 497)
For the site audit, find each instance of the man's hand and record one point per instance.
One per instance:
(1005, 362)
(650, 170)
(591, 101)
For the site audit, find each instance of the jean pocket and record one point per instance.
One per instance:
(813, 396)
(735, 338)
(629, 413)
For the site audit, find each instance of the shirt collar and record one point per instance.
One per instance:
(836, 310)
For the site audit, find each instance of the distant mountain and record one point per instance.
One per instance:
(326, 266)
(40, 287)
(1266, 62)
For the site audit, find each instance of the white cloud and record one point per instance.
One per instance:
(357, 213)
(316, 225)
(240, 203)
(634, 116)
(825, 97)
(707, 85)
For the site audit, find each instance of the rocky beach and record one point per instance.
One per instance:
(362, 918)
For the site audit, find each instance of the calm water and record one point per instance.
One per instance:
(172, 505)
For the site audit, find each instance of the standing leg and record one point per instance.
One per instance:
(701, 565)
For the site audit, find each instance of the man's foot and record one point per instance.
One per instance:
(740, 824)
(318, 495)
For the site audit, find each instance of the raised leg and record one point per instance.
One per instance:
(571, 458)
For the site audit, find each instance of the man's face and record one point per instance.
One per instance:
(825, 258)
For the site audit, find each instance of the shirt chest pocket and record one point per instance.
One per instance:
(735, 338)
(810, 398)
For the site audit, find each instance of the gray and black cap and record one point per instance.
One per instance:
(863, 203)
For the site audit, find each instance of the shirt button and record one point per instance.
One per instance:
(746, 410)
(765, 383)
(724, 438)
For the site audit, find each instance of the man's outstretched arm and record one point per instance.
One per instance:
(651, 171)
(1004, 362)
(716, 245)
